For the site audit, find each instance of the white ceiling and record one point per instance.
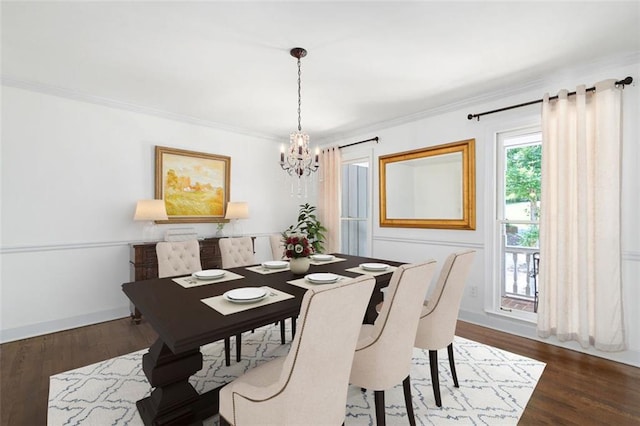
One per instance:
(227, 64)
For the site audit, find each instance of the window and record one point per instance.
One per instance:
(517, 221)
(355, 207)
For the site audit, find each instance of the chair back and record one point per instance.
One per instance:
(314, 379)
(384, 351)
(178, 258)
(277, 247)
(439, 315)
(236, 252)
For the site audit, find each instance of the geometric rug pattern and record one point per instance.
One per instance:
(495, 386)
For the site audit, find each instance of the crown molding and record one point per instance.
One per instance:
(601, 64)
(113, 103)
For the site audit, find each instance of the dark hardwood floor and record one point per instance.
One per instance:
(575, 389)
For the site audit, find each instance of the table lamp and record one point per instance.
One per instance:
(150, 211)
(237, 210)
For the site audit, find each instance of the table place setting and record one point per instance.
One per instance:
(314, 280)
(270, 267)
(208, 276)
(244, 298)
(323, 259)
(374, 269)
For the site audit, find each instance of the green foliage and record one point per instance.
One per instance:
(309, 225)
(522, 176)
(530, 236)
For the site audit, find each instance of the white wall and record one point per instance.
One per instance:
(450, 125)
(72, 172)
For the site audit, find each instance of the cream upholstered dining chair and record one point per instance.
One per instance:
(309, 385)
(178, 258)
(236, 252)
(383, 354)
(439, 316)
(277, 247)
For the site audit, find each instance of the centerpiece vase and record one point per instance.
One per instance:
(299, 265)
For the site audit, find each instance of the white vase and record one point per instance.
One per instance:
(299, 265)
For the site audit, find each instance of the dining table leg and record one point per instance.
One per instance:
(174, 400)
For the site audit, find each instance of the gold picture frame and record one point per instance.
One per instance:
(432, 187)
(195, 186)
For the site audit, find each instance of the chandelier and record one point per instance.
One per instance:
(297, 161)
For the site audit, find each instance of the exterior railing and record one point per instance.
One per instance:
(519, 274)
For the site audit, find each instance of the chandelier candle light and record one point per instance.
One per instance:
(297, 160)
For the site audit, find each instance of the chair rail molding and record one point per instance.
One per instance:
(447, 243)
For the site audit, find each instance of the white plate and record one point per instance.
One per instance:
(209, 274)
(275, 264)
(322, 278)
(374, 266)
(322, 257)
(245, 294)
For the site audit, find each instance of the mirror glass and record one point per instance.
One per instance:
(429, 188)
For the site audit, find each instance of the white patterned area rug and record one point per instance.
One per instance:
(495, 386)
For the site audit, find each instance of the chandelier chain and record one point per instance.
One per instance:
(299, 96)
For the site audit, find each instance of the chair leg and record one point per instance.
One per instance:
(282, 339)
(293, 327)
(378, 397)
(433, 363)
(406, 385)
(452, 364)
(238, 347)
(227, 351)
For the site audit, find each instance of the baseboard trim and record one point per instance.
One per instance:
(527, 330)
(32, 330)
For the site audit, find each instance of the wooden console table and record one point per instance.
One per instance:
(144, 262)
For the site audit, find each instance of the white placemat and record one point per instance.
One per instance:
(220, 304)
(189, 281)
(359, 270)
(265, 271)
(324, 262)
(301, 282)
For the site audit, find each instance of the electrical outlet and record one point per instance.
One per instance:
(474, 291)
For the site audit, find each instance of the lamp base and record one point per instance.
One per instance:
(149, 231)
(236, 228)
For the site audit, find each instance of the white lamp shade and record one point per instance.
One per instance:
(150, 210)
(237, 210)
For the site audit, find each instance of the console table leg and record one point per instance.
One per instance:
(173, 400)
(136, 315)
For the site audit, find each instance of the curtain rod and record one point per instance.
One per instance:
(356, 143)
(622, 83)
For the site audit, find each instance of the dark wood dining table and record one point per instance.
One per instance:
(184, 323)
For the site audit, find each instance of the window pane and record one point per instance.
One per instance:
(355, 193)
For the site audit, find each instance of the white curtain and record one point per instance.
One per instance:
(580, 279)
(329, 197)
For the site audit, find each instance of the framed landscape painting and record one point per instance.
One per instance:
(194, 185)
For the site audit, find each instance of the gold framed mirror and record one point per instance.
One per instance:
(433, 187)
